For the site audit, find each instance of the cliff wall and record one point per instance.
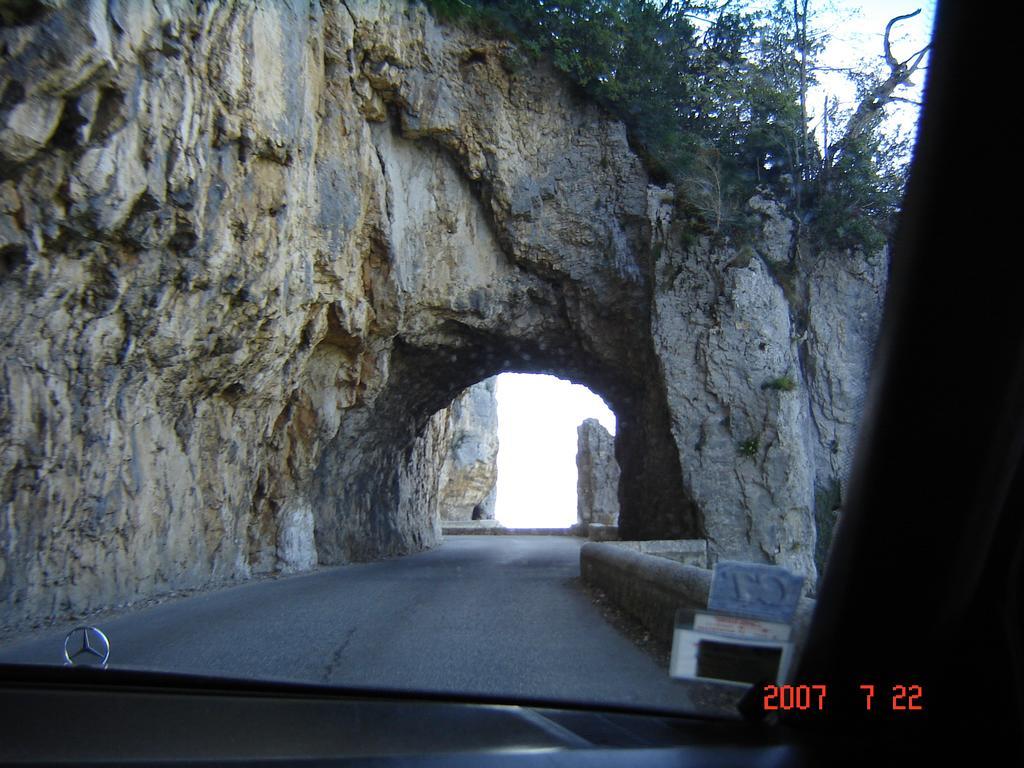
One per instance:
(249, 251)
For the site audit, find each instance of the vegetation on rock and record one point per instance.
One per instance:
(715, 98)
(781, 384)
(749, 447)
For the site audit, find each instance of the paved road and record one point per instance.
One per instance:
(480, 614)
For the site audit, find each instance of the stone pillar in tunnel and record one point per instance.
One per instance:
(597, 475)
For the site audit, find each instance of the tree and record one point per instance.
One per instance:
(715, 96)
(863, 172)
(868, 113)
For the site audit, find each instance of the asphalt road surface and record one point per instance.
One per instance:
(496, 615)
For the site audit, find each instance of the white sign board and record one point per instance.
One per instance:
(708, 656)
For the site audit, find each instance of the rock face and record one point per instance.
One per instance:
(597, 479)
(766, 378)
(249, 251)
(469, 474)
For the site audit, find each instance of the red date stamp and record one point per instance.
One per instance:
(787, 697)
(901, 698)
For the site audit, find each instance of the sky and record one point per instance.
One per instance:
(538, 415)
(854, 35)
(537, 420)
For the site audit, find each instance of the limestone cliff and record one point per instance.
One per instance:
(597, 475)
(469, 474)
(765, 349)
(248, 252)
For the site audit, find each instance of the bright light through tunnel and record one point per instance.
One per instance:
(537, 442)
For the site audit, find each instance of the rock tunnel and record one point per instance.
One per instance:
(239, 282)
(383, 437)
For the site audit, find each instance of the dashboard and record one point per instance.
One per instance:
(99, 717)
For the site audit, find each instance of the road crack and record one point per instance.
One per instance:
(336, 657)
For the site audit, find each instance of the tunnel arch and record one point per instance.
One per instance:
(358, 493)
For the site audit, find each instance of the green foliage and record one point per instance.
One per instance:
(781, 384)
(632, 56)
(862, 194)
(750, 446)
(715, 107)
(451, 10)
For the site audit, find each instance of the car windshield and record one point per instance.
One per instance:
(508, 350)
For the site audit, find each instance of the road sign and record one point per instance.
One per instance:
(756, 591)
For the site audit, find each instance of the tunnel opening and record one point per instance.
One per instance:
(525, 451)
(539, 451)
(376, 490)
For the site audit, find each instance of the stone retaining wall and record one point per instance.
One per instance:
(652, 588)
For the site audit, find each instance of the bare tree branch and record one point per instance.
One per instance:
(717, 9)
(889, 58)
(883, 93)
(918, 54)
(843, 70)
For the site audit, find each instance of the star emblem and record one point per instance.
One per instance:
(86, 647)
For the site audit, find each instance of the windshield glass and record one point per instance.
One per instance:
(496, 349)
